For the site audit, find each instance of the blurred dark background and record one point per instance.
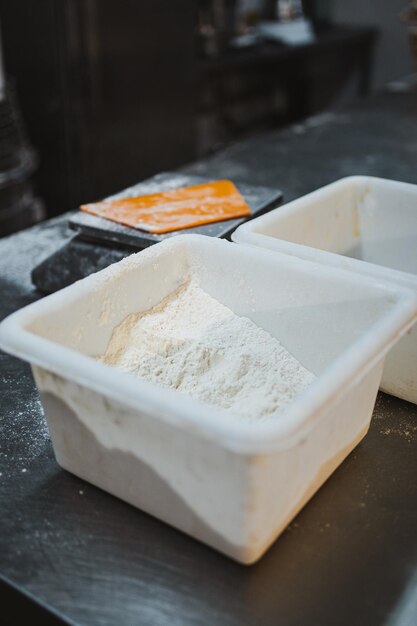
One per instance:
(102, 94)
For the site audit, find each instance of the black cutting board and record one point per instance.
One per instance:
(99, 242)
(100, 230)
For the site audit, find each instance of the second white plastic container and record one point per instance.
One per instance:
(365, 224)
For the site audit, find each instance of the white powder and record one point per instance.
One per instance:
(192, 343)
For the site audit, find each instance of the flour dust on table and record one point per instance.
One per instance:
(192, 343)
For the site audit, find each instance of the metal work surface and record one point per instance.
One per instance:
(350, 556)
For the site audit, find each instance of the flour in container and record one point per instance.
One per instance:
(192, 343)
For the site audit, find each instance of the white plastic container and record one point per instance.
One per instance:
(234, 486)
(361, 223)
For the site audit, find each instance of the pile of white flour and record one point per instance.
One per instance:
(192, 343)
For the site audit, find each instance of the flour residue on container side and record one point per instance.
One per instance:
(192, 343)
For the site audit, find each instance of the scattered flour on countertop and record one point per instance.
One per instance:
(194, 344)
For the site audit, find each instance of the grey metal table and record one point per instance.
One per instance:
(350, 557)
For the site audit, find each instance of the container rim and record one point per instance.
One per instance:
(248, 234)
(297, 204)
(184, 412)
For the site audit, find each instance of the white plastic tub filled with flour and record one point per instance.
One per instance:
(361, 223)
(118, 359)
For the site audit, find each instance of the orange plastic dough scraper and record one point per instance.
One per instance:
(175, 209)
